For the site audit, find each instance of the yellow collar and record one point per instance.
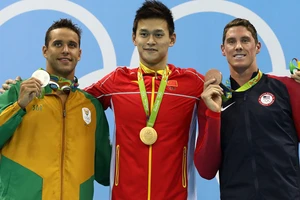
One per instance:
(150, 71)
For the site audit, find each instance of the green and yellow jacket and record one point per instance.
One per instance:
(49, 150)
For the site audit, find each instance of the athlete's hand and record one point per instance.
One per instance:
(212, 95)
(6, 85)
(296, 76)
(29, 89)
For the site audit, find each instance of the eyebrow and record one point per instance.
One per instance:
(234, 38)
(230, 38)
(70, 41)
(156, 30)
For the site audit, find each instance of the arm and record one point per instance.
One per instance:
(207, 157)
(10, 113)
(12, 106)
(7, 83)
(102, 89)
(293, 88)
(103, 148)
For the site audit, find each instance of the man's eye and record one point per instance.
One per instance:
(73, 45)
(159, 35)
(58, 44)
(144, 34)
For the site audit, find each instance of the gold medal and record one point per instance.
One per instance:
(148, 135)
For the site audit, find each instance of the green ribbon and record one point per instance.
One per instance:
(158, 99)
(228, 91)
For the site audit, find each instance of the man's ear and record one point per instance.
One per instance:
(172, 40)
(258, 47)
(133, 39)
(223, 50)
(44, 51)
(79, 55)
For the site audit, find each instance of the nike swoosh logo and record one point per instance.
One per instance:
(222, 109)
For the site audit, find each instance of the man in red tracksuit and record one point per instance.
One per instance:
(156, 108)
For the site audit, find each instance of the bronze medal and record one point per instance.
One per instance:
(148, 135)
(214, 73)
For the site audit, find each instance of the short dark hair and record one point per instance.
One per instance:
(154, 9)
(241, 22)
(62, 23)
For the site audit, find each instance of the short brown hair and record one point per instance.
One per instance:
(240, 22)
(62, 23)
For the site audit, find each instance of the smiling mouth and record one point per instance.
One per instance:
(239, 56)
(150, 49)
(64, 59)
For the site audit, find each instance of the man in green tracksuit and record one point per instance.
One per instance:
(50, 145)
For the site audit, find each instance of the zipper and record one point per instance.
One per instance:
(64, 114)
(117, 165)
(184, 167)
(249, 137)
(150, 147)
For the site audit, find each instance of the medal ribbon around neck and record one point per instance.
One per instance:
(158, 99)
(228, 91)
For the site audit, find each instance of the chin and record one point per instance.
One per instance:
(240, 68)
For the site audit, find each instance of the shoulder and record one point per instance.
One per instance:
(288, 81)
(89, 98)
(120, 72)
(186, 72)
(86, 95)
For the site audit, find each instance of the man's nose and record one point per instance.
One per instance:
(238, 46)
(65, 49)
(151, 40)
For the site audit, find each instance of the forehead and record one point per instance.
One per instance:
(238, 31)
(152, 24)
(63, 34)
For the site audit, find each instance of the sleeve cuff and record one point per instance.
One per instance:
(213, 114)
(18, 109)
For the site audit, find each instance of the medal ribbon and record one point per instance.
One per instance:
(228, 91)
(158, 99)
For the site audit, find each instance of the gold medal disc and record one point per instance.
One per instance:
(148, 135)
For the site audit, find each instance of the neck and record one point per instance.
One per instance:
(69, 76)
(154, 67)
(242, 76)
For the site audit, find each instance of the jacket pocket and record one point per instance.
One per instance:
(117, 170)
(184, 160)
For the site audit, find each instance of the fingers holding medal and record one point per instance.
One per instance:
(42, 76)
(32, 87)
(212, 93)
(213, 76)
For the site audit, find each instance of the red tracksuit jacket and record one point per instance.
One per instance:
(165, 170)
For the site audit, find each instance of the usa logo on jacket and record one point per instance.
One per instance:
(266, 99)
